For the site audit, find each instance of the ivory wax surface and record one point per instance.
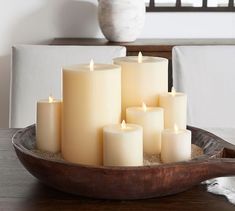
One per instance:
(175, 109)
(152, 121)
(123, 147)
(176, 146)
(91, 100)
(48, 126)
(142, 81)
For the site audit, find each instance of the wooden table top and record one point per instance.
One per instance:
(21, 191)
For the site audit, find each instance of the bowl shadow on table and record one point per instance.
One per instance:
(42, 197)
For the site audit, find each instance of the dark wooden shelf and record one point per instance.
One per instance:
(149, 47)
(144, 45)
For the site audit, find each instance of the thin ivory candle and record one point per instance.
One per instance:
(175, 109)
(48, 126)
(91, 100)
(152, 121)
(123, 145)
(176, 145)
(143, 79)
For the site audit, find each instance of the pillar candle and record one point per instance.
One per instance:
(91, 100)
(123, 145)
(48, 126)
(175, 109)
(152, 121)
(176, 145)
(143, 79)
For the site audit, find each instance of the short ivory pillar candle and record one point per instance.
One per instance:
(48, 126)
(123, 145)
(143, 79)
(176, 145)
(152, 121)
(175, 109)
(91, 100)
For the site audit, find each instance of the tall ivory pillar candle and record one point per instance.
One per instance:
(91, 100)
(48, 126)
(152, 121)
(176, 145)
(143, 79)
(123, 145)
(175, 109)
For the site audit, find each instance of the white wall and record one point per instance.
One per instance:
(39, 21)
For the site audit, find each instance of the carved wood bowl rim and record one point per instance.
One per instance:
(216, 161)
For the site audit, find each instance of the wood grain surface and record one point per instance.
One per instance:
(125, 183)
(21, 191)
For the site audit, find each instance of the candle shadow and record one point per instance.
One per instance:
(40, 196)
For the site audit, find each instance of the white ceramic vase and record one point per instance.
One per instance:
(121, 20)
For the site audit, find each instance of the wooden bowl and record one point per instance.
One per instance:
(129, 182)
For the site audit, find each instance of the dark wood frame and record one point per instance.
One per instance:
(179, 8)
(129, 183)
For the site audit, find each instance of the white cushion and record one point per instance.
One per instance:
(207, 75)
(36, 73)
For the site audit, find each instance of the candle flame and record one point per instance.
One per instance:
(92, 65)
(173, 91)
(176, 128)
(140, 57)
(144, 107)
(123, 125)
(51, 99)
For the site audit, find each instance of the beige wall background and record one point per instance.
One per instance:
(39, 21)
